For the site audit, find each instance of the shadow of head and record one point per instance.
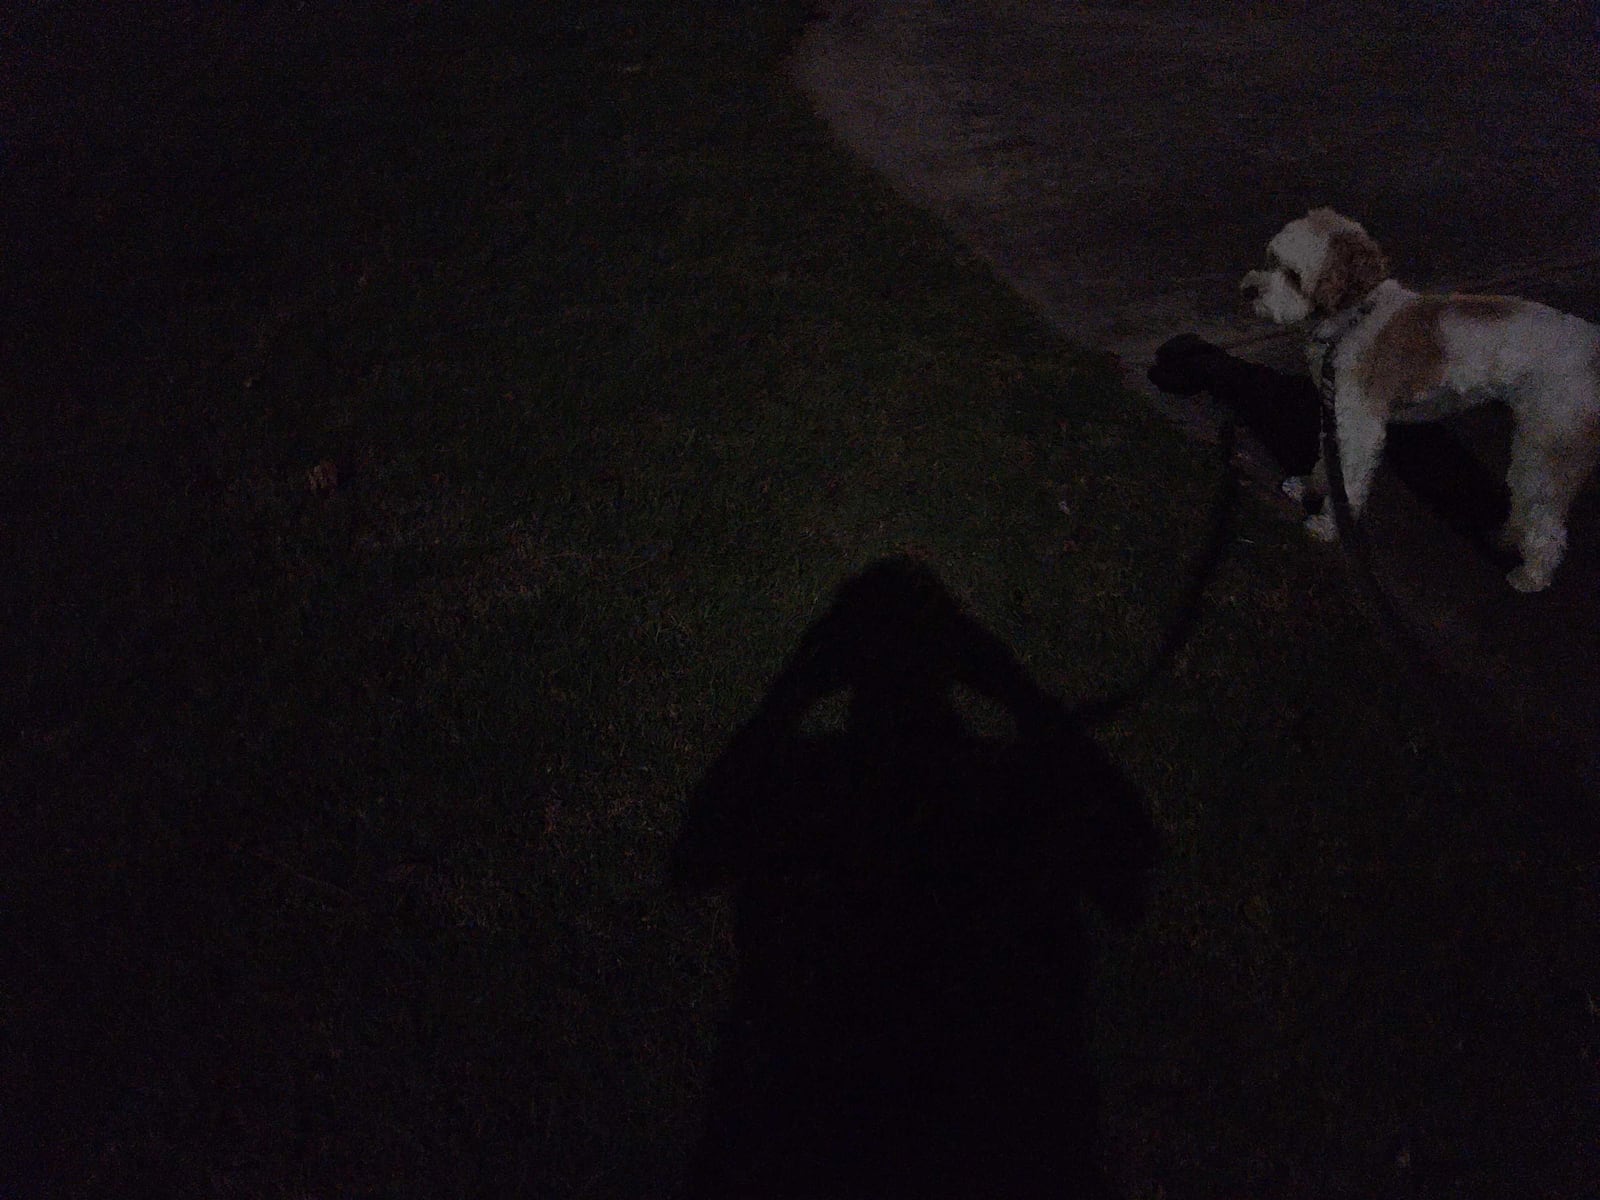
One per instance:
(908, 893)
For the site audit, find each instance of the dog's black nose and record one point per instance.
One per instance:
(1251, 287)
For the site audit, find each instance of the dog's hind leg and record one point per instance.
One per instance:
(1547, 469)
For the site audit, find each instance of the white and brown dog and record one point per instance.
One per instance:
(1400, 356)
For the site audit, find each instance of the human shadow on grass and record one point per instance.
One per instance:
(908, 1014)
(1284, 412)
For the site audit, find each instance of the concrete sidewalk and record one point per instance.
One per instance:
(1122, 165)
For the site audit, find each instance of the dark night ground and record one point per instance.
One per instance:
(327, 876)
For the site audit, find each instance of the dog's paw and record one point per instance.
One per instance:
(1525, 579)
(1323, 527)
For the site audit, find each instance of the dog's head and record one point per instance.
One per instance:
(1316, 266)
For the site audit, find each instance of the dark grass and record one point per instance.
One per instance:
(339, 818)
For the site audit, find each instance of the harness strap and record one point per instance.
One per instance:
(1329, 342)
(1332, 464)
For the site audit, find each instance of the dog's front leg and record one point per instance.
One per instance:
(1361, 434)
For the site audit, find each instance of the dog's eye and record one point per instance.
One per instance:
(1292, 276)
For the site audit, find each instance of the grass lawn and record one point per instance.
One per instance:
(429, 432)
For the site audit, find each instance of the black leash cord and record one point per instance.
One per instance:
(1218, 538)
(1351, 536)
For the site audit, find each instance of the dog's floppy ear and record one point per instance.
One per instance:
(1354, 265)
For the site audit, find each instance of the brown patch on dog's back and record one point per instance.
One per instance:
(1406, 358)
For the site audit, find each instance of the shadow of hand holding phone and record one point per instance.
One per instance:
(908, 1014)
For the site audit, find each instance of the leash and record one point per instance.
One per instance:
(1464, 715)
(1352, 537)
(1218, 538)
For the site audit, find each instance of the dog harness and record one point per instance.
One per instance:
(1327, 382)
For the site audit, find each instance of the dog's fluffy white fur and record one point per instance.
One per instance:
(1401, 356)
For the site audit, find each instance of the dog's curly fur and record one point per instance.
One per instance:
(1401, 356)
